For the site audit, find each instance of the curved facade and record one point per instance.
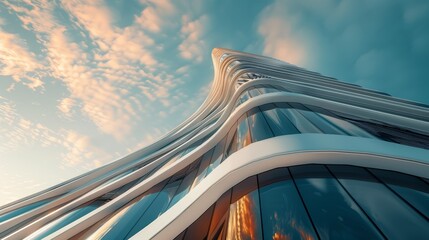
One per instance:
(275, 152)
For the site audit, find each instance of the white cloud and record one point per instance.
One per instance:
(279, 36)
(18, 133)
(18, 62)
(193, 46)
(150, 19)
(66, 105)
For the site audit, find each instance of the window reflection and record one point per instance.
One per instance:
(244, 220)
(334, 213)
(413, 189)
(259, 127)
(283, 214)
(391, 214)
(307, 202)
(66, 219)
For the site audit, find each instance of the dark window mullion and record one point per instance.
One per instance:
(303, 203)
(397, 194)
(354, 200)
(265, 118)
(260, 204)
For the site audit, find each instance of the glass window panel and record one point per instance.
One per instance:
(279, 124)
(233, 145)
(244, 213)
(202, 171)
(243, 133)
(200, 228)
(346, 126)
(220, 214)
(300, 122)
(180, 236)
(334, 214)
(184, 187)
(317, 120)
(394, 217)
(237, 103)
(283, 214)
(65, 220)
(267, 89)
(157, 207)
(244, 187)
(282, 89)
(243, 97)
(254, 92)
(393, 134)
(258, 126)
(123, 220)
(22, 210)
(231, 141)
(172, 160)
(413, 189)
(218, 156)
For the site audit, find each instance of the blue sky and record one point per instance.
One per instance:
(83, 83)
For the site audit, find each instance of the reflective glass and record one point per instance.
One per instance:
(22, 210)
(124, 219)
(220, 214)
(180, 236)
(170, 161)
(244, 220)
(158, 206)
(346, 126)
(258, 126)
(218, 156)
(395, 218)
(202, 171)
(267, 89)
(233, 145)
(334, 214)
(199, 229)
(393, 134)
(283, 214)
(254, 92)
(244, 96)
(299, 121)
(243, 133)
(279, 124)
(413, 189)
(184, 186)
(318, 121)
(241, 137)
(282, 89)
(65, 220)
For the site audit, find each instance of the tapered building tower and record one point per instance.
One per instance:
(275, 152)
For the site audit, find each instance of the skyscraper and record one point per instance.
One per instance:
(274, 152)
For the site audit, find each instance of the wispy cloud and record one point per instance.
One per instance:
(192, 31)
(99, 70)
(18, 62)
(18, 132)
(279, 38)
(66, 106)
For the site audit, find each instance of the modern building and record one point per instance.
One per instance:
(274, 152)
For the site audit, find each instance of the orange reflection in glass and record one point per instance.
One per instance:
(279, 228)
(242, 220)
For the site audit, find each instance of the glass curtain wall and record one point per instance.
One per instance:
(318, 202)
